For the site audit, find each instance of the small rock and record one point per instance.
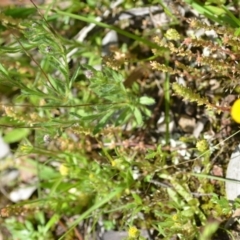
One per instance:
(233, 175)
(187, 123)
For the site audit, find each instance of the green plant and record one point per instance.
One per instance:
(214, 64)
(47, 105)
(80, 131)
(33, 228)
(190, 63)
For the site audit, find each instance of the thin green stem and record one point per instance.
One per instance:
(167, 107)
(104, 25)
(96, 206)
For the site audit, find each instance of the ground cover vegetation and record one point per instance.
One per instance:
(136, 138)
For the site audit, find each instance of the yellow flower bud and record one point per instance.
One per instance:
(133, 232)
(202, 145)
(63, 169)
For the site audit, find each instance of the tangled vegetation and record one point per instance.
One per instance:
(84, 128)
